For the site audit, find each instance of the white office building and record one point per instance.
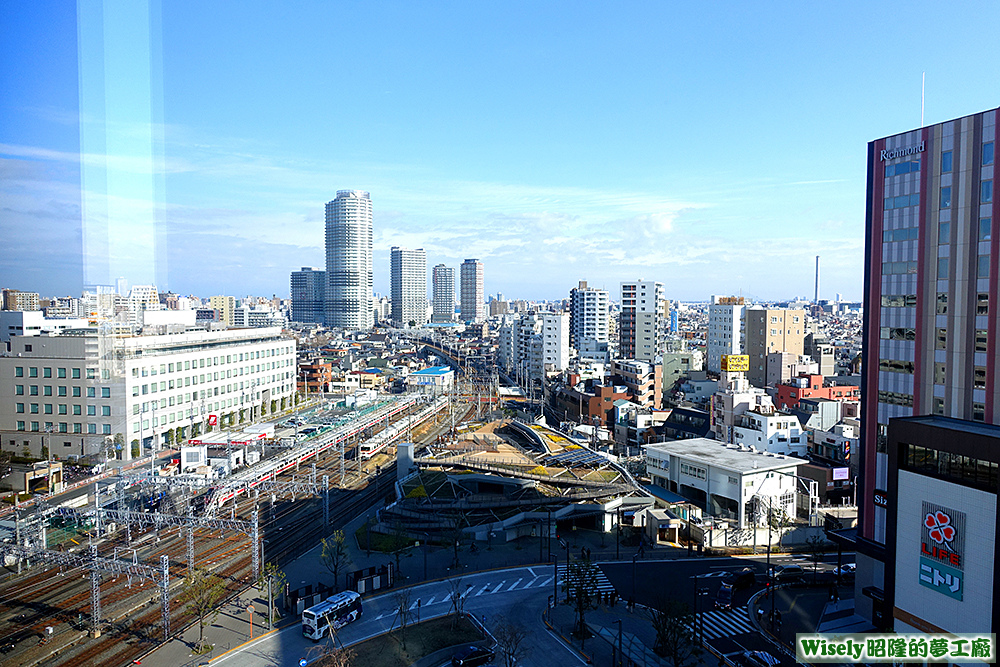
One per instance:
(408, 285)
(725, 329)
(555, 341)
(443, 294)
(145, 388)
(349, 272)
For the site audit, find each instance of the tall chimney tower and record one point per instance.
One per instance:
(816, 294)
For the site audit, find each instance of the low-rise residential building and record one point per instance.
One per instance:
(788, 394)
(771, 431)
(735, 396)
(642, 379)
(434, 380)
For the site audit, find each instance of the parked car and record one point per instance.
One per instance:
(738, 579)
(471, 655)
(783, 573)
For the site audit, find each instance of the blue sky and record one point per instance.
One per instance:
(715, 148)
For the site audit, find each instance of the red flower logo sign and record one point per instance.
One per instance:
(939, 528)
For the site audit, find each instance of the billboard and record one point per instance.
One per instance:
(736, 363)
(841, 474)
(942, 548)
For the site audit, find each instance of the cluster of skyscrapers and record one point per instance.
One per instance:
(342, 296)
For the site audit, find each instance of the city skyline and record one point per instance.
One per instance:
(646, 156)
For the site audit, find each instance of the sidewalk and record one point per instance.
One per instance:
(637, 635)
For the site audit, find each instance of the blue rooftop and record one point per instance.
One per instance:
(664, 495)
(434, 370)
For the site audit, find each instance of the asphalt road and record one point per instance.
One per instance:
(518, 594)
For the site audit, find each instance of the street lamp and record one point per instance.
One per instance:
(634, 558)
(555, 580)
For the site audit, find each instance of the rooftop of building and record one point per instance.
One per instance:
(728, 457)
(434, 370)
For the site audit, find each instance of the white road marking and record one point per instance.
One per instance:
(485, 588)
(500, 586)
(513, 585)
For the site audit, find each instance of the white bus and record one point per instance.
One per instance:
(337, 610)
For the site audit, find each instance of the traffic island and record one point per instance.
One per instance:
(415, 644)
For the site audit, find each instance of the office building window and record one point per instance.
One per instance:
(20, 426)
(34, 408)
(46, 390)
(76, 392)
(942, 303)
(62, 391)
(984, 266)
(76, 373)
(944, 233)
(62, 373)
(946, 161)
(92, 429)
(978, 412)
(19, 390)
(939, 406)
(982, 304)
(979, 377)
(105, 392)
(985, 192)
(32, 372)
(106, 429)
(19, 407)
(46, 372)
(984, 229)
(940, 373)
(946, 196)
(981, 340)
(987, 153)
(942, 268)
(942, 339)
(19, 371)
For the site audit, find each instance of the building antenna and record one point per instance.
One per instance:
(923, 84)
(816, 292)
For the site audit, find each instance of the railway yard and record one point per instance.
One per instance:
(149, 526)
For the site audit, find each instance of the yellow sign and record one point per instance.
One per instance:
(730, 301)
(735, 362)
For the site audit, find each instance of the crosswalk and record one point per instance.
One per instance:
(725, 623)
(480, 589)
(602, 585)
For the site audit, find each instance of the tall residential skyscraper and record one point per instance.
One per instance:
(932, 306)
(444, 294)
(772, 330)
(725, 330)
(349, 303)
(588, 315)
(408, 282)
(643, 322)
(473, 294)
(308, 290)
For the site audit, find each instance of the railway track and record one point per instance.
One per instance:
(61, 598)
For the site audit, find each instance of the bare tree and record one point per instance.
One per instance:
(271, 573)
(815, 546)
(402, 602)
(334, 556)
(510, 637)
(673, 623)
(327, 655)
(202, 593)
(581, 590)
(458, 592)
(455, 535)
(400, 540)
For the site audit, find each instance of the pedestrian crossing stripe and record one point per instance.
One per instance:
(602, 586)
(724, 623)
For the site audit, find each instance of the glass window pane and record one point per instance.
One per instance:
(946, 197)
(985, 192)
(942, 268)
(984, 266)
(988, 153)
(944, 233)
(984, 229)
(946, 161)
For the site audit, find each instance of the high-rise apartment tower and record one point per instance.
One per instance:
(588, 315)
(443, 294)
(408, 282)
(643, 322)
(349, 302)
(473, 295)
(308, 290)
